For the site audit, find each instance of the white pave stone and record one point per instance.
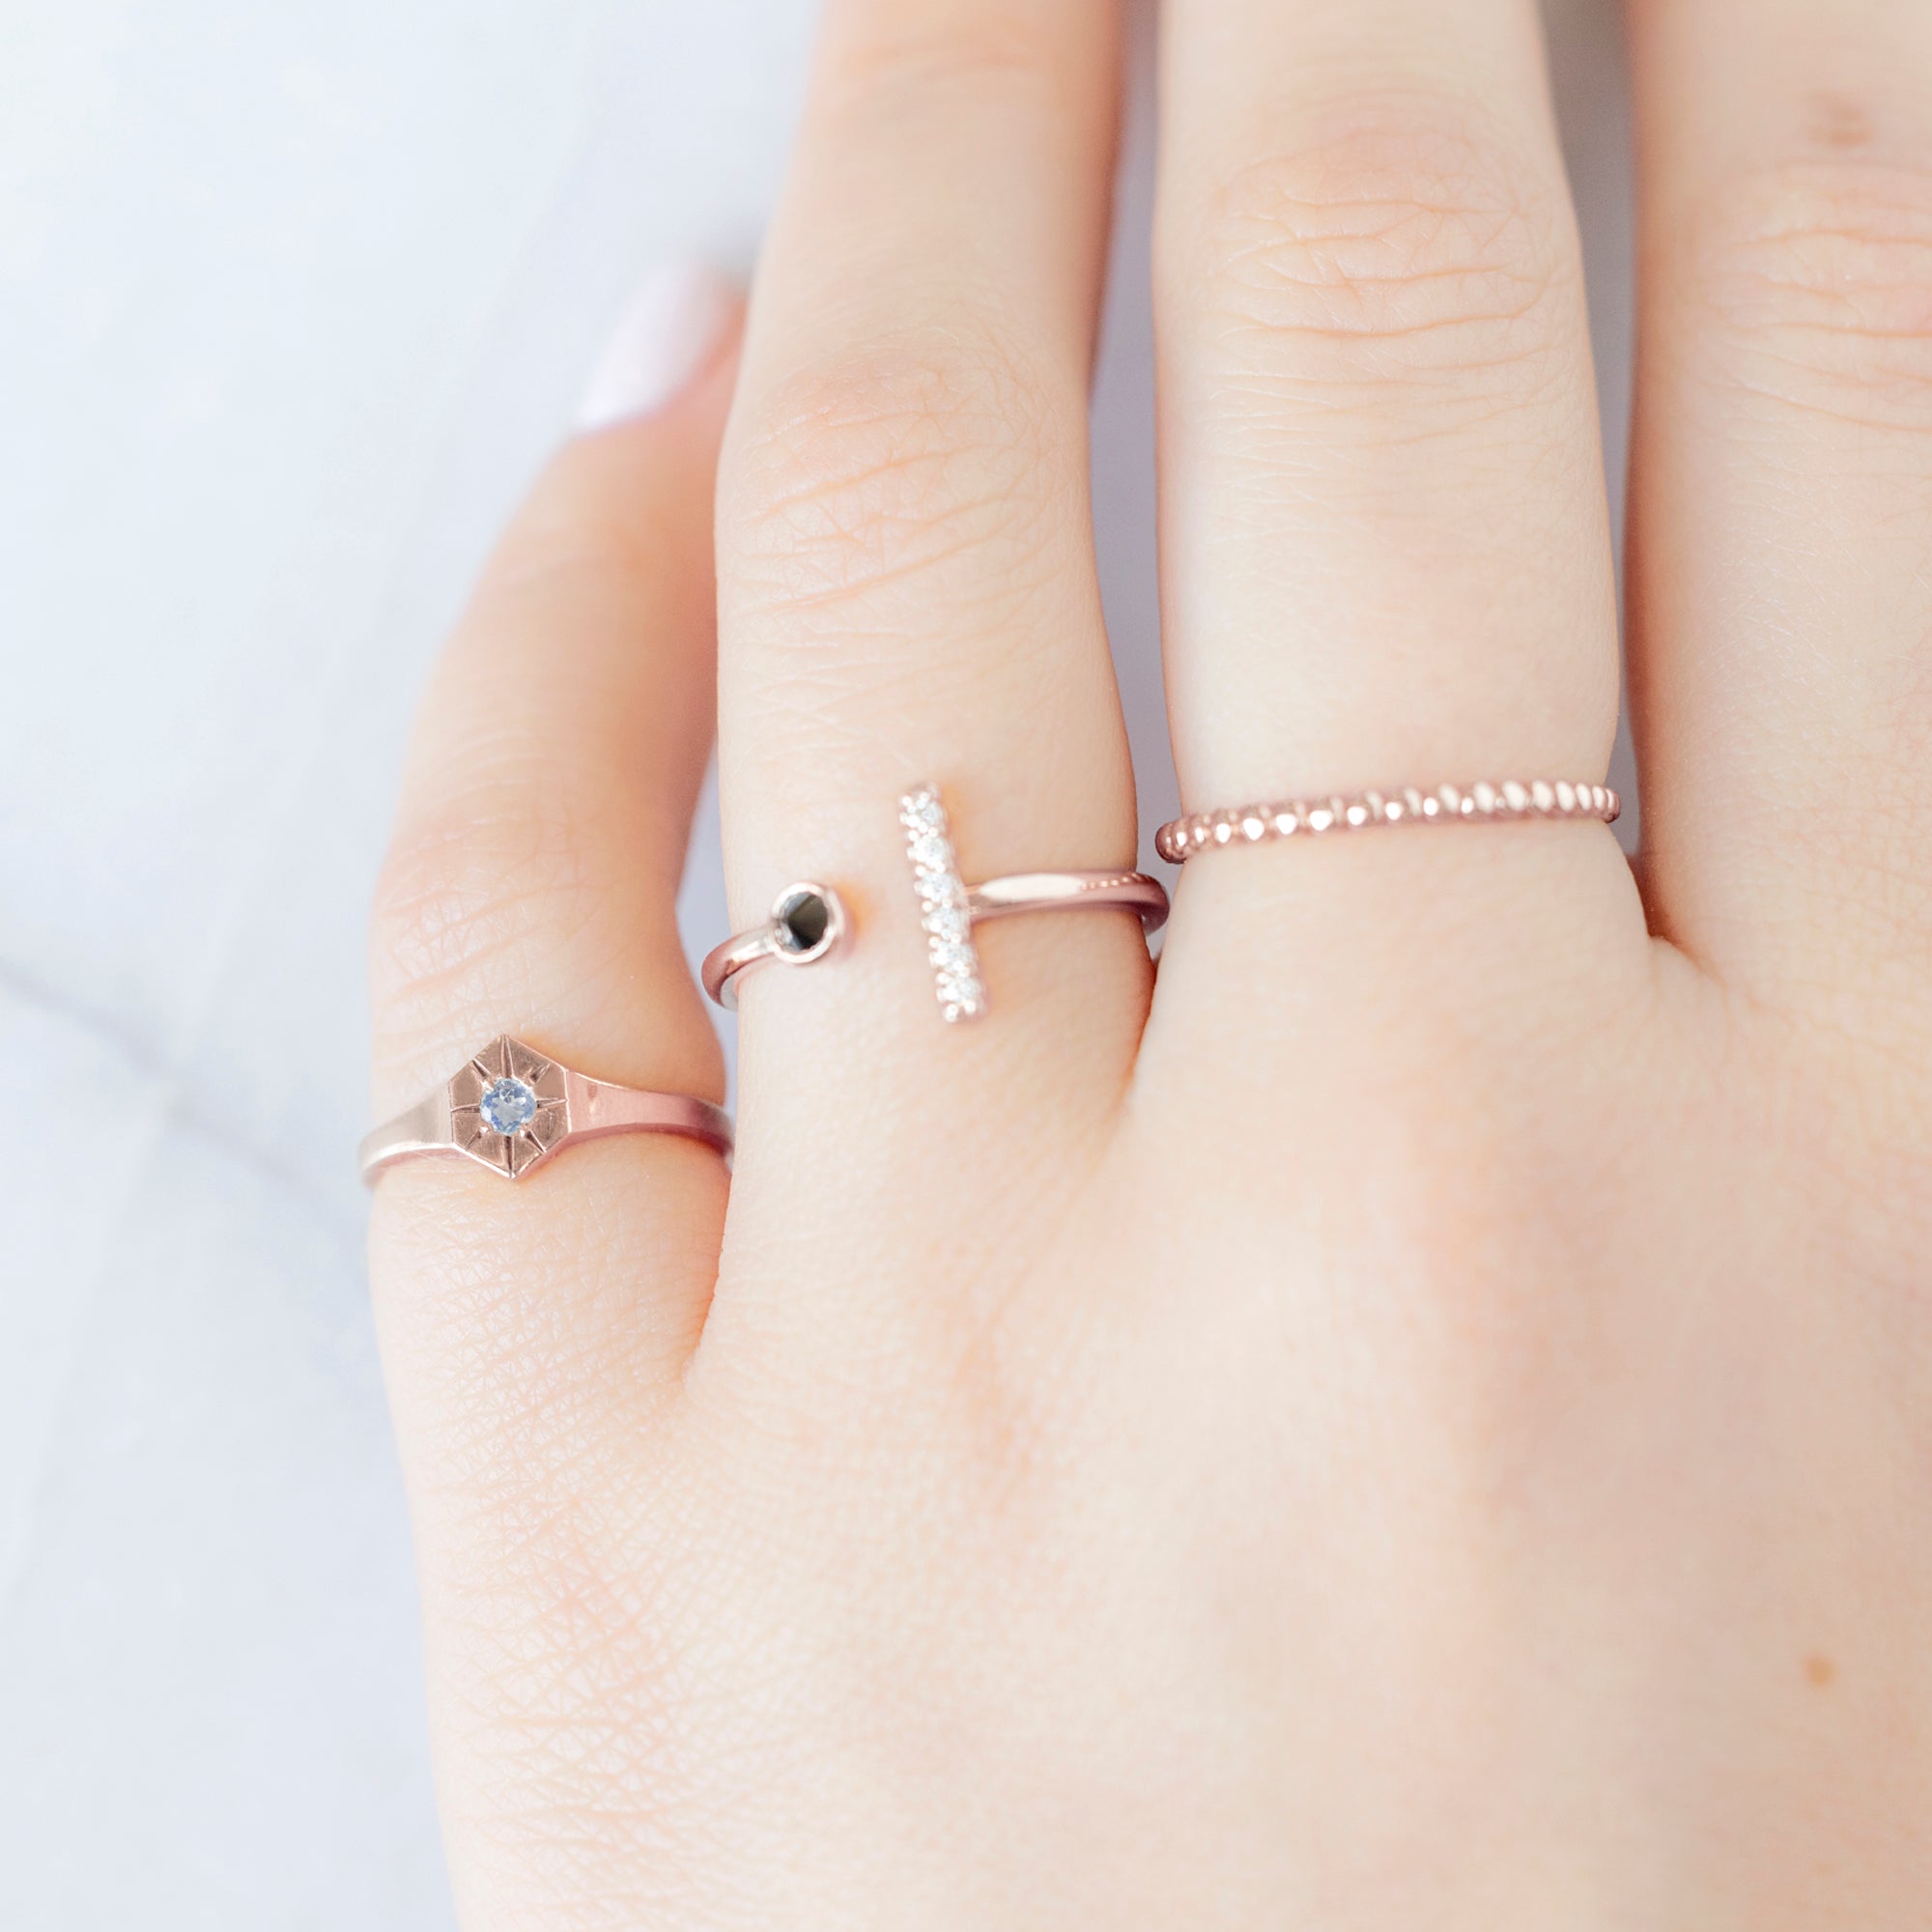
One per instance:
(943, 905)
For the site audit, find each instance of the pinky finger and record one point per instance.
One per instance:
(531, 890)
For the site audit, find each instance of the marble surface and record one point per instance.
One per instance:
(292, 301)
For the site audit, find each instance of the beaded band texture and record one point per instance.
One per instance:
(1252, 824)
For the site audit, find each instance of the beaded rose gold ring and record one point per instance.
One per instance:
(1253, 824)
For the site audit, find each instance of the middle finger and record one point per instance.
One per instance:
(1386, 539)
(908, 593)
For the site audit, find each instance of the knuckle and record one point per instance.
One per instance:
(893, 470)
(1410, 241)
(1817, 275)
(579, 530)
(1001, 48)
(472, 901)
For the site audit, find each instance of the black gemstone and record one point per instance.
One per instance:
(803, 922)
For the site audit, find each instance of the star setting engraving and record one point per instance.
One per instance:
(507, 1108)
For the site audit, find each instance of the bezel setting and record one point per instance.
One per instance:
(786, 925)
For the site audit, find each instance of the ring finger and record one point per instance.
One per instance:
(1386, 546)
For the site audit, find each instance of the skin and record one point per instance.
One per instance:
(1424, 1420)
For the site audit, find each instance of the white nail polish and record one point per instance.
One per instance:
(667, 333)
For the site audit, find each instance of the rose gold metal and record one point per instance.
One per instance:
(949, 908)
(723, 963)
(1068, 892)
(570, 1107)
(949, 911)
(1252, 824)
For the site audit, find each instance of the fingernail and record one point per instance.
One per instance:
(667, 333)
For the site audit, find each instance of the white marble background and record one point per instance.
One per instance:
(291, 299)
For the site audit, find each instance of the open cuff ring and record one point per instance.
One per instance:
(809, 923)
(511, 1108)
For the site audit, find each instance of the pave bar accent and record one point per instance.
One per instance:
(1252, 824)
(949, 908)
(809, 921)
(945, 908)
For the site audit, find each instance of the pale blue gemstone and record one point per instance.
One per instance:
(507, 1105)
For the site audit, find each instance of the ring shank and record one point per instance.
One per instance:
(1070, 892)
(423, 1129)
(723, 963)
(600, 1107)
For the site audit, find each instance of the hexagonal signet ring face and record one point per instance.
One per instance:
(507, 1108)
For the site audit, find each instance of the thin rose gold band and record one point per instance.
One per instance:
(723, 963)
(997, 899)
(1253, 824)
(565, 1107)
(949, 909)
(1066, 892)
(737, 954)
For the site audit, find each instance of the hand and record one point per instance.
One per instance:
(1423, 1420)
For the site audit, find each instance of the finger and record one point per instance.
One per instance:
(531, 890)
(1385, 541)
(1781, 500)
(907, 581)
